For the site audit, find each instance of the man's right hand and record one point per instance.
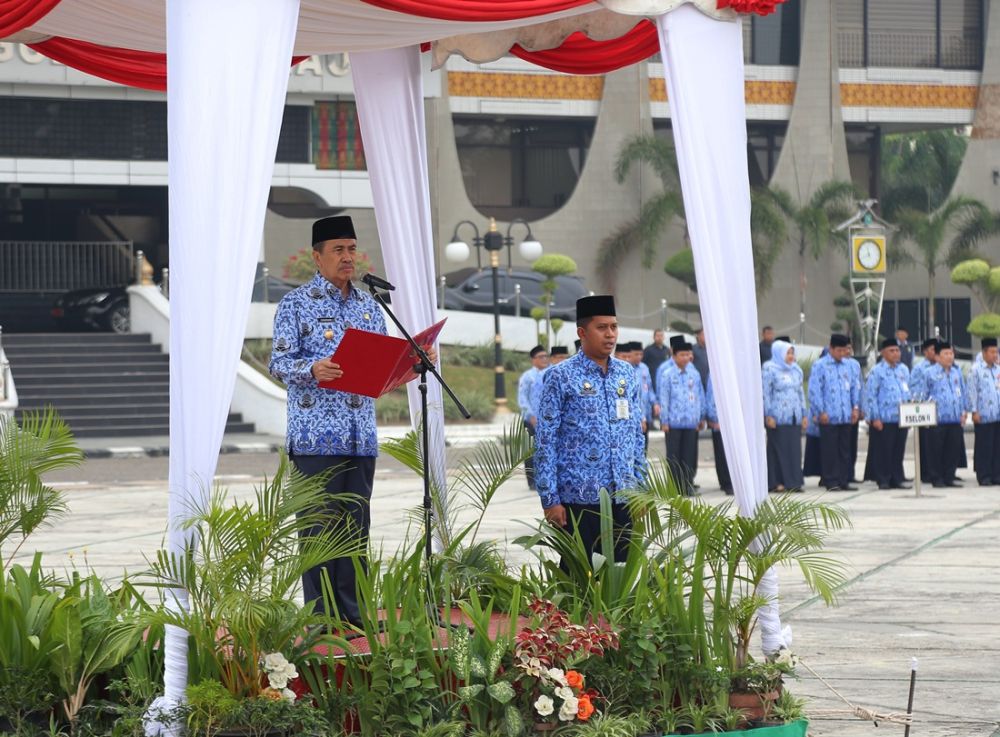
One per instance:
(771, 422)
(976, 419)
(326, 370)
(824, 419)
(665, 427)
(877, 424)
(556, 515)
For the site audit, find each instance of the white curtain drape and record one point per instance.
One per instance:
(222, 137)
(388, 87)
(704, 75)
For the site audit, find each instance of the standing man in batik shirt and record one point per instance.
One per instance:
(682, 415)
(918, 391)
(525, 386)
(888, 384)
(984, 399)
(645, 387)
(589, 432)
(946, 387)
(326, 428)
(835, 401)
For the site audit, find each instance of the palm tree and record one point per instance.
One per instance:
(927, 232)
(645, 230)
(919, 169)
(831, 203)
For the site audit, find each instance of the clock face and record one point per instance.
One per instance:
(869, 254)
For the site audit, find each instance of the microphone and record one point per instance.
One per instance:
(377, 282)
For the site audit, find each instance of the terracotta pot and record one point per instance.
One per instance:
(753, 705)
(546, 726)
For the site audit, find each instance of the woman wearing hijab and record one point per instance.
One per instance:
(785, 418)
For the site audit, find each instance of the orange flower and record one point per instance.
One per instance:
(271, 694)
(574, 679)
(584, 709)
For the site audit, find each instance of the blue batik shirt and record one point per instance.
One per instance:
(984, 391)
(589, 433)
(886, 387)
(784, 399)
(681, 398)
(309, 324)
(918, 380)
(646, 390)
(711, 409)
(525, 388)
(947, 390)
(834, 388)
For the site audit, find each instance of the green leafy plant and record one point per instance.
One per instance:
(550, 266)
(241, 569)
(788, 708)
(983, 280)
(39, 444)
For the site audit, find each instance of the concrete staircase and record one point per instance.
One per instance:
(103, 385)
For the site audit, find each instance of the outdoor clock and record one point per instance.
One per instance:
(868, 254)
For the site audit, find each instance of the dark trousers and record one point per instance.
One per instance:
(355, 477)
(986, 460)
(682, 457)
(925, 440)
(835, 454)
(529, 463)
(944, 448)
(721, 466)
(886, 448)
(855, 429)
(586, 518)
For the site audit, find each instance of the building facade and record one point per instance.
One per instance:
(83, 159)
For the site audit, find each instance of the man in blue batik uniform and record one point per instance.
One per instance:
(525, 388)
(984, 399)
(887, 386)
(327, 428)
(682, 415)
(946, 388)
(918, 392)
(835, 400)
(589, 431)
(645, 388)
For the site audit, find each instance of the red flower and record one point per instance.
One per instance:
(584, 709)
(574, 679)
(760, 7)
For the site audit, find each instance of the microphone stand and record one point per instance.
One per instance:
(423, 367)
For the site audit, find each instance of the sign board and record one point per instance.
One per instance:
(917, 414)
(867, 254)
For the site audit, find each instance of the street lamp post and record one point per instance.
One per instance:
(493, 242)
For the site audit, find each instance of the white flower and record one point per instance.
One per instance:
(557, 675)
(289, 671)
(274, 662)
(568, 711)
(786, 657)
(288, 694)
(544, 706)
(565, 693)
(278, 681)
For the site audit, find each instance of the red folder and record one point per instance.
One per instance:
(375, 364)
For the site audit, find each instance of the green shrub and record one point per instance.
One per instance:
(970, 272)
(393, 408)
(484, 355)
(986, 325)
(480, 405)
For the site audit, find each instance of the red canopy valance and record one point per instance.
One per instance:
(580, 54)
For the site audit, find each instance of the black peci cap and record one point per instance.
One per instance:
(594, 305)
(839, 340)
(336, 227)
(889, 343)
(536, 350)
(676, 341)
(989, 343)
(944, 345)
(559, 350)
(929, 343)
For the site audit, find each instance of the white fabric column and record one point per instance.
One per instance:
(388, 86)
(224, 111)
(704, 75)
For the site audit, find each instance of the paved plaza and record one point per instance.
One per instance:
(924, 580)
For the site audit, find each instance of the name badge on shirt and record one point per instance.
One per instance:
(325, 319)
(621, 408)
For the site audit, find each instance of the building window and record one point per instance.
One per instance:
(774, 39)
(521, 167)
(945, 34)
(764, 142)
(863, 147)
(952, 315)
(129, 130)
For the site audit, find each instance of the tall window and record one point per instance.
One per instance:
(521, 167)
(774, 39)
(945, 34)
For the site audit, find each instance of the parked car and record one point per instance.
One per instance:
(93, 309)
(471, 289)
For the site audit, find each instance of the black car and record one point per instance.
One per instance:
(93, 309)
(471, 289)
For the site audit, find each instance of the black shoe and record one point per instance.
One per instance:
(953, 485)
(884, 487)
(901, 486)
(835, 488)
(939, 485)
(987, 482)
(850, 488)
